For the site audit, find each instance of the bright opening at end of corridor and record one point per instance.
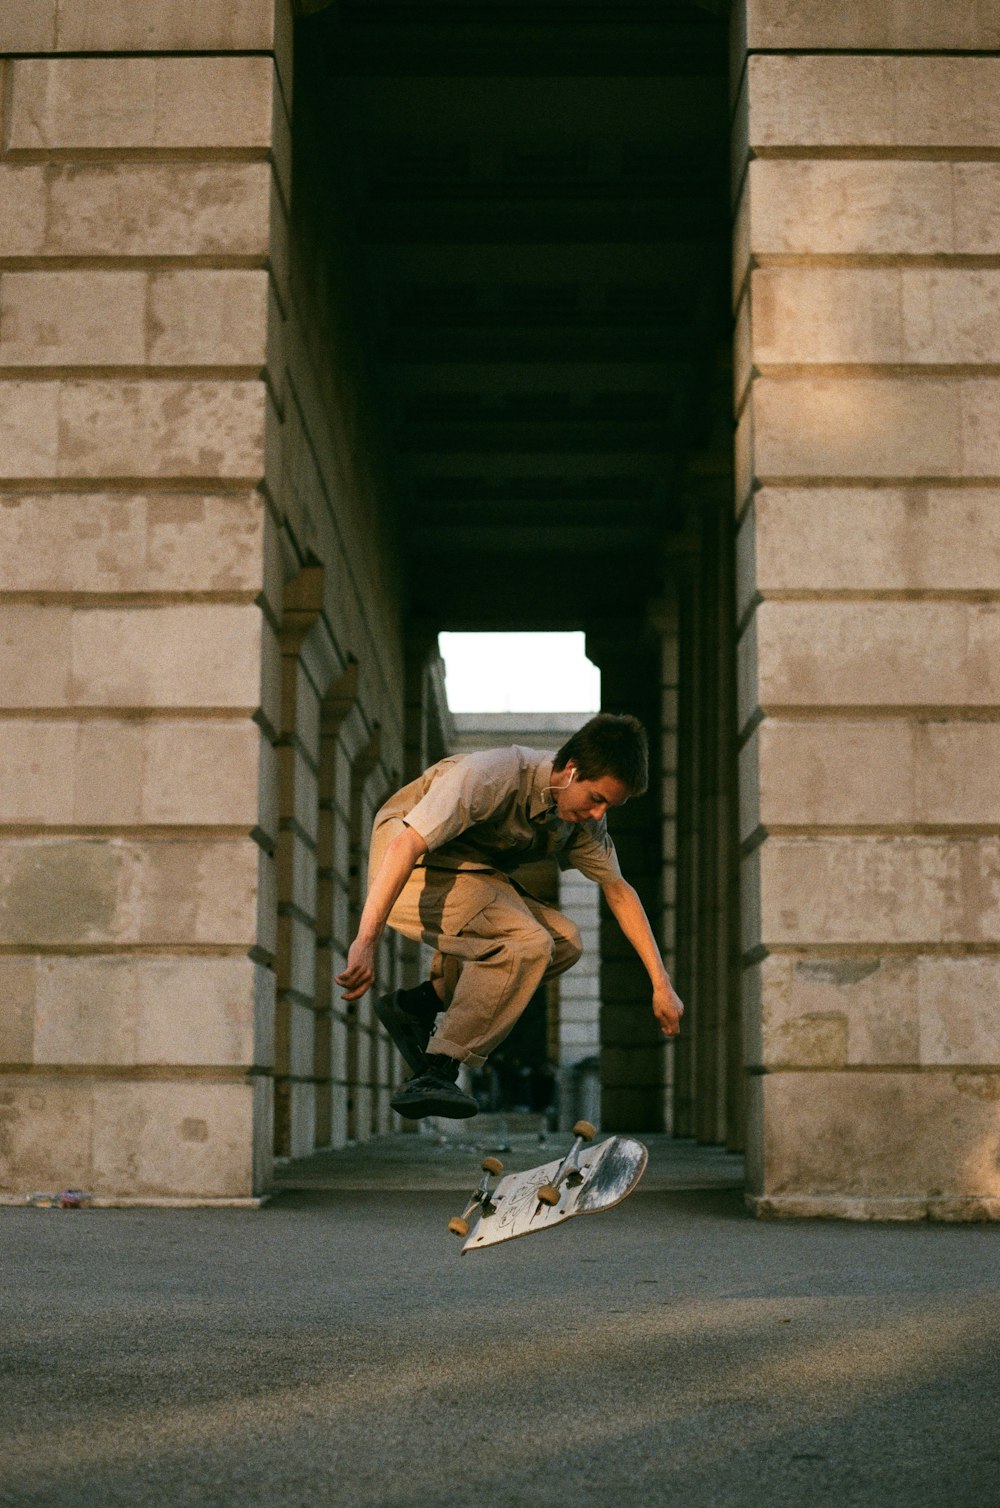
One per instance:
(519, 672)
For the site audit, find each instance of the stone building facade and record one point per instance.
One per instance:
(867, 296)
(240, 494)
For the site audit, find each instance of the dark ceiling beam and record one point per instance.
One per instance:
(630, 223)
(522, 40)
(600, 540)
(426, 471)
(506, 346)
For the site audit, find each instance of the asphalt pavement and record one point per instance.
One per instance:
(335, 1348)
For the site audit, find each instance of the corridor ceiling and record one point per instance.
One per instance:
(538, 207)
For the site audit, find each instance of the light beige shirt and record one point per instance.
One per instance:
(496, 810)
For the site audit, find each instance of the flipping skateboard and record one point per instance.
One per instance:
(584, 1182)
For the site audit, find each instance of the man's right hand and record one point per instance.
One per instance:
(397, 866)
(359, 976)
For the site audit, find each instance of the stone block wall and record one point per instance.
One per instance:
(138, 668)
(194, 591)
(866, 290)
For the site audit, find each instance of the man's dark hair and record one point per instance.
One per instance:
(609, 745)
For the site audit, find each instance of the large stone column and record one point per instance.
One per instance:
(707, 1056)
(138, 668)
(867, 293)
(632, 1068)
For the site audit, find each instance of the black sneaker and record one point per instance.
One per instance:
(410, 1033)
(434, 1092)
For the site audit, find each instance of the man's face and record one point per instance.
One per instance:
(579, 799)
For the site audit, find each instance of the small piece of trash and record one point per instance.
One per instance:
(65, 1199)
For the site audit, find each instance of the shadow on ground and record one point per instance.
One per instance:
(335, 1348)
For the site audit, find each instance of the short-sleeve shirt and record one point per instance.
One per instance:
(496, 809)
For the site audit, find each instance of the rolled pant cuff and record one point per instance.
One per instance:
(452, 1049)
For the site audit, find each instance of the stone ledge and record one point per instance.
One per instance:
(961, 1209)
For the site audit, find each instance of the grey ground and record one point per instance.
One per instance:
(335, 1348)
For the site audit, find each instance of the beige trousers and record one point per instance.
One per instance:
(493, 946)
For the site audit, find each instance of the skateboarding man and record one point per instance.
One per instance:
(442, 853)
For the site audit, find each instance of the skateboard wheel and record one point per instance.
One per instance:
(585, 1129)
(458, 1226)
(492, 1165)
(548, 1194)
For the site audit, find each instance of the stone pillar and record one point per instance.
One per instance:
(138, 660)
(707, 1079)
(670, 702)
(578, 992)
(868, 467)
(632, 1073)
(312, 683)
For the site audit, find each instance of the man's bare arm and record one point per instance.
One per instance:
(397, 866)
(630, 915)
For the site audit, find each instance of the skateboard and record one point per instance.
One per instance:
(584, 1182)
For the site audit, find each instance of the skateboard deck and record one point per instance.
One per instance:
(582, 1183)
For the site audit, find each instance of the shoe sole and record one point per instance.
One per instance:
(399, 1027)
(429, 1105)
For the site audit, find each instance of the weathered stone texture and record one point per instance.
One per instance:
(60, 104)
(869, 102)
(185, 655)
(68, 318)
(168, 429)
(912, 1137)
(833, 207)
(866, 892)
(857, 427)
(918, 538)
(854, 1010)
(179, 656)
(134, 429)
(912, 316)
(135, 209)
(131, 542)
(123, 1011)
(187, 772)
(895, 772)
(76, 892)
(124, 26)
(917, 25)
(179, 1139)
(135, 319)
(879, 654)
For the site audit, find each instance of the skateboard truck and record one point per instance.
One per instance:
(569, 1171)
(480, 1199)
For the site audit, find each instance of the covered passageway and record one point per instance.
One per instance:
(518, 217)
